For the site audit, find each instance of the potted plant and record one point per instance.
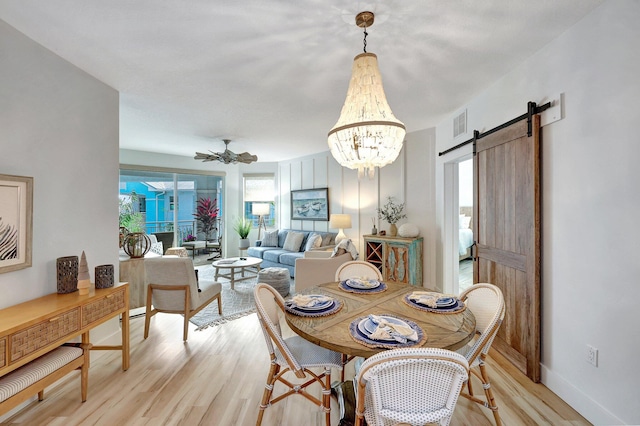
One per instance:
(207, 215)
(392, 213)
(128, 218)
(243, 227)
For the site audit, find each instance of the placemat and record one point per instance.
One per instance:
(364, 340)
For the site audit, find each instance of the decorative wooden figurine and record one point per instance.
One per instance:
(84, 280)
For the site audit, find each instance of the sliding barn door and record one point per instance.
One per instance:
(507, 227)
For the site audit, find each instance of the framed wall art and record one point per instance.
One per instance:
(16, 222)
(310, 204)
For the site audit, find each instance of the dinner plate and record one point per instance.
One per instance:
(367, 327)
(357, 283)
(446, 302)
(318, 307)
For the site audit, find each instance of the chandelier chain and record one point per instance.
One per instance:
(364, 41)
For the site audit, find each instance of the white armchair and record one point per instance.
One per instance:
(317, 267)
(172, 288)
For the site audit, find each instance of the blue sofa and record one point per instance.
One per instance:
(280, 258)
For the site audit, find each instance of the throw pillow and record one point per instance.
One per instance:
(293, 241)
(270, 239)
(157, 248)
(314, 241)
(328, 239)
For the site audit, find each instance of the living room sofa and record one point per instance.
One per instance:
(280, 258)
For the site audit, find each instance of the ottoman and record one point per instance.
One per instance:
(277, 278)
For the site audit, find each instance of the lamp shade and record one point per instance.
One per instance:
(367, 134)
(260, 209)
(340, 221)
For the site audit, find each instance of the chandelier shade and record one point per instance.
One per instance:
(367, 134)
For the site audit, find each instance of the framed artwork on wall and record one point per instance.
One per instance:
(16, 222)
(310, 204)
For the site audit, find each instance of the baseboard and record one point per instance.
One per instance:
(578, 400)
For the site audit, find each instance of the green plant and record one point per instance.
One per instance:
(242, 227)
(207, 215)
(128, 218)
(391, 212)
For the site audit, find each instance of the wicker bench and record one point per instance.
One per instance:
(33, 377)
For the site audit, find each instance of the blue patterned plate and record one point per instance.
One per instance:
(359, 284)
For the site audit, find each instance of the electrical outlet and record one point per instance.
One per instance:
(592, 355)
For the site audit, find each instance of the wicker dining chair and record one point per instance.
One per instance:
(294, 354)
(357, 268)
(487, 304)
(411, 385)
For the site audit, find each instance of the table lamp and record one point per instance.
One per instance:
(341, 222)
(261, 210)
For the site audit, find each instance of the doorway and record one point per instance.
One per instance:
(465, 232)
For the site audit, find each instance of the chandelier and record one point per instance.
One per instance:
(367, 134)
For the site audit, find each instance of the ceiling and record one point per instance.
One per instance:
(272, 75)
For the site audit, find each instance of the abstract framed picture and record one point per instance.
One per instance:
(16, 222)
(310, 204)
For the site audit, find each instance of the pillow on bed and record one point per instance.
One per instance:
(464, 221)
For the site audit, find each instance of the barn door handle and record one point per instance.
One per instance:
(474, 251)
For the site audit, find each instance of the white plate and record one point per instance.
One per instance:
(367, 327)
(318, 307)
(357, 283)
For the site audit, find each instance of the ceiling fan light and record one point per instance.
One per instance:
(367, 134)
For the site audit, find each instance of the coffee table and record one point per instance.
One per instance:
(248, 268)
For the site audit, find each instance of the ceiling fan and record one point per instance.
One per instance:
(227, 157)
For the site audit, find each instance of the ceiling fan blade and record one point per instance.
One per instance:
(207, 157)
(247, 158)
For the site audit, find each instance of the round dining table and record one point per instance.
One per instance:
(443, 330)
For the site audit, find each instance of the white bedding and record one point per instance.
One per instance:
(465, 240)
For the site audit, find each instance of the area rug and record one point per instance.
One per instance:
(236, 303)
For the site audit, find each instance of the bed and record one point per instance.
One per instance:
(465, 232)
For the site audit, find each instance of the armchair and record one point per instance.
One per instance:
(317, 267)
(173, 289)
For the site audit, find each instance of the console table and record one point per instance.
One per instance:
(36, 327)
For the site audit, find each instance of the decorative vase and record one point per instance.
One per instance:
(374, 231)
(244, 243)
(136, 244)
(104, 276)
(408, 230)
(393, 230)
(67, 274)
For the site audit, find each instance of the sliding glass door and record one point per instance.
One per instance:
(167, 201)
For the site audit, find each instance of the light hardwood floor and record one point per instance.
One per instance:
(217, 378)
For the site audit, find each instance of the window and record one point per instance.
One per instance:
(259, 189)
(168, 200)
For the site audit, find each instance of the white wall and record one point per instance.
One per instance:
(408, 180)
(60, 126)
(590, 266)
